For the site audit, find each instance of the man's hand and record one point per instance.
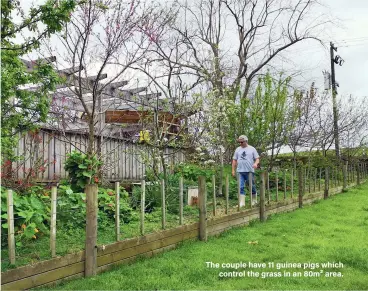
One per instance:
(255, 166)
(233, 173)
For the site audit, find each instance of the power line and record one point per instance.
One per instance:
(351, 39)
(354, 45)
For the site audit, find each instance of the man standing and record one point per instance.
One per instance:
(245, 160)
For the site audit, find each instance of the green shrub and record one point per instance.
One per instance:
(31, 215)
(106, 204)
(72, 206)
(82, 170)
(191, 172)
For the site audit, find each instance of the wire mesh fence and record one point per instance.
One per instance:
(164, 207)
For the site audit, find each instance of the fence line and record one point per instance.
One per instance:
(92, 205)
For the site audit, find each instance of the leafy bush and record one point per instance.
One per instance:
(31, 215)
(191, 172)
(106, 203)
(81, 169)
(72, 207)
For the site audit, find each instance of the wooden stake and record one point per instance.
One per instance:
(327, 184)
(344, 172)
(11, 238)
(227, 195)
(202, 195)
(91, 230)
(238, 176)
(305, 180)
(250, 182)
(301, 186)
(277, 186)
(163, 206)
(181, 191)
(53, 222)
(262, 198)
(268, 188)
(284, 184)
(143, 205)
(117, 211)
(292, 182)
(214, 194)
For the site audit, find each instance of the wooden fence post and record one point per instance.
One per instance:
(327, 183)
(250, 182)
(262, 216)
(53, 221)
(91, 230)
(344, 172)
(305, 180)
(227, 195)
(268, 188)
(143, 205)
(315, 180)
(292, 182)
(320, 178)
(335, 177)
(163, 205)
(214, 194)
(300, 186)
(277, 186)
(238, 180)
(331, 177)
(284, 184)
(309, 179)
(117, 211)
(202, 195)
(11, 238)
(358, 174)
(181, 191)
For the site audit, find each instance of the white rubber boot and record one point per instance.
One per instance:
(242, 200)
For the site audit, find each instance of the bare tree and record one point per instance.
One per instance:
(166, 120)
(304, 108)
(202, 42)
(100, 45)
(318, 126)
(223, 45)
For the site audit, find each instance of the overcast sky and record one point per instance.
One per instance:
(350, 35)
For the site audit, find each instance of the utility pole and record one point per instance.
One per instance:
(340, 61)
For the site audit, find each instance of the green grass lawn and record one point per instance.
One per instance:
(333, 230)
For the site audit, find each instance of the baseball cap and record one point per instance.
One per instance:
(243, 137)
